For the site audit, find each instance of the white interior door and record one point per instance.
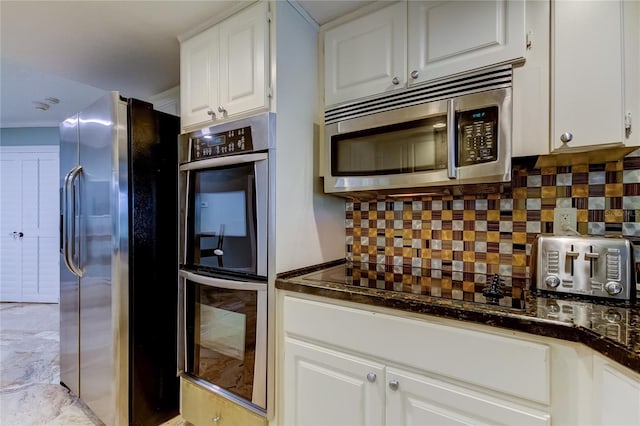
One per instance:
(29, 221)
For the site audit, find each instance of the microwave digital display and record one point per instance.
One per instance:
(477, 136)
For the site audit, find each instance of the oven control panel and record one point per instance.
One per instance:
(224, 143)
(477, 136)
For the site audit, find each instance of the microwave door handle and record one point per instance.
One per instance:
(452, 172)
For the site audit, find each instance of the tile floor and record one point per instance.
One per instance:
(30, 393)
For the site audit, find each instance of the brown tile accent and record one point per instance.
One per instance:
(485, 231)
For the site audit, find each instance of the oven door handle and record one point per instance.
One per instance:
(223, 283)
(223, 161)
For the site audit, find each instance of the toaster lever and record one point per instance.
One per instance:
(591, 256)
(571, 255)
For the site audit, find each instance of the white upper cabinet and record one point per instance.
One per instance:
(223, 70)
(588, 93)
(366, 56)
(450, 37)
(412, 42)
(198, 77)
(243, 59)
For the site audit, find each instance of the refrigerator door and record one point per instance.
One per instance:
(69, 282)
(103, 288)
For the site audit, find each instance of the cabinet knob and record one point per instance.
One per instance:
(371, 377)
(394, 385)
(221, 110)
(395, 81)
(414, 74)
(566, 137)
(211, 113)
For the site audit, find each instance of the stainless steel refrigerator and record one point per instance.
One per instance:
(118, 265)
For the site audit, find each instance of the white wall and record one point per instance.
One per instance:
(309, 225)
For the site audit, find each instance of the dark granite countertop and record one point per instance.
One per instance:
(613, 330)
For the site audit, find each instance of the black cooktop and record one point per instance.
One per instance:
(490, 289)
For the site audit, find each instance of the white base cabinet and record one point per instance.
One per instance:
(326, 387)
(347, 366)
(417, 400)
(616, 394)
(350, 364)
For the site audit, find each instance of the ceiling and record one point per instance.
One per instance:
(74, 51)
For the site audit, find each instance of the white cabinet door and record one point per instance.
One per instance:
(29, 227)
(325, 387)
(223, 70)
(449, 37)
(587, 78)
(243, 59)
(366, 56)
(617, 394)
(199, 77)
(420, 400)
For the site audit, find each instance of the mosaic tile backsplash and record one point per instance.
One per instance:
(479, 235)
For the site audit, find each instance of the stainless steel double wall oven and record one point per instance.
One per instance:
(224, 190)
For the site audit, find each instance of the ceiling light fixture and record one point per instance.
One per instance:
(48, 101)
(41, 105)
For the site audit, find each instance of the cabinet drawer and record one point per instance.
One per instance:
(493, 361)
(201, 407)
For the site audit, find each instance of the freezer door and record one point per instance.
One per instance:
(69, 282)
(103, 290)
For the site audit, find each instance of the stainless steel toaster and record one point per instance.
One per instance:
(585, 265)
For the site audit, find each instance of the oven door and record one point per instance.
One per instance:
(224, 337)
(225, 226)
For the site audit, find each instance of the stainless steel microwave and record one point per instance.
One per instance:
(453, 141)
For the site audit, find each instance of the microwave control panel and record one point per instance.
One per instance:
(477, 136)
(220, 144)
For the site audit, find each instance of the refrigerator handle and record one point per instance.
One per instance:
(70, 219)
(65, 220)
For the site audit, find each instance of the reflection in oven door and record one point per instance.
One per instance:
(224, 345)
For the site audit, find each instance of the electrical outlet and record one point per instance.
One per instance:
(565, 221)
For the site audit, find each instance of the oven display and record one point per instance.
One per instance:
(477, 136)
(220, 144)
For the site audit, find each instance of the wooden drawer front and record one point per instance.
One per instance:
(504, 364)
(201, 407)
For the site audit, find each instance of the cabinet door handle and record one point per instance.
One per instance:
(414, 74)
(566, 137)
(395, 81)
(394, 385)
(211, 113)
(371, 377)
(221, 109)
